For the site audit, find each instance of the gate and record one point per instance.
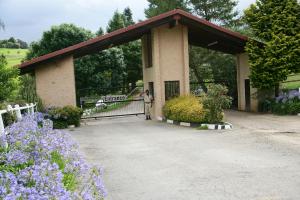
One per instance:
(113, 105)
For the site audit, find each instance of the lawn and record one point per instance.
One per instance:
(293, 82)
(13, 56)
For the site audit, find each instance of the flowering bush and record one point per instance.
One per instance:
(63, 117)
(287, 103)
(185, 109)
(37, 162)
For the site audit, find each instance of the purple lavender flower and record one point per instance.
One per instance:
(31, 146)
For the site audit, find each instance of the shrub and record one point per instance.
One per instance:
(185, 109)
(287, 108)
(9, 79)
(288, 103)
(63, 117)
(215, 100)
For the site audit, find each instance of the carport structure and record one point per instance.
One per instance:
(165, 54)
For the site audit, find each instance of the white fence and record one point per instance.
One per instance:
(17, 110)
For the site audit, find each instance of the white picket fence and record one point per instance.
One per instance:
(30, 109)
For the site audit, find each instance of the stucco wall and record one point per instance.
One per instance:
(170, 62)
(243, 72)
(55, 82)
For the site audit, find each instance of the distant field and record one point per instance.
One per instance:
(13, 56)
(294, 84)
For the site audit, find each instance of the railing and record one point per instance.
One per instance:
(17, 110)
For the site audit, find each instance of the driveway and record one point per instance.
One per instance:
(146, 160)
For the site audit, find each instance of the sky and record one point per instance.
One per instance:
(28, 19)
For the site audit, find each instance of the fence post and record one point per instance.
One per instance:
(28, 109)
(1, 125)
(18, 112)
(32, 108)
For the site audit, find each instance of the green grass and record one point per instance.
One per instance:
(13, 56)
(292, 85)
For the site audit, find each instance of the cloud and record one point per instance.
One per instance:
(28, 19)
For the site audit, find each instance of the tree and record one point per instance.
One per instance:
(58, 37)
(221, 12)
(132, 50)
(127, 17)
(100, 32)
(157, 7)
(275, 54)
(117, 22)
(9, 80)
(13, 43)
(208, 65)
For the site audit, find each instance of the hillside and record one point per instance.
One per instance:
(13, 56)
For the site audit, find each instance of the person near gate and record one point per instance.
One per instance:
(148, 99)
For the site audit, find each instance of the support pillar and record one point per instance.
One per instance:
(55, 82)
(170, 62)
(243, 72)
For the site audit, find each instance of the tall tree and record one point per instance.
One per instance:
(276, 23)
(131, 50)
(219, 67)
(222, 12)
(157, 7)
(127, 15)
(57, 38)
(117, 22)
(105, 69)
(100, 32)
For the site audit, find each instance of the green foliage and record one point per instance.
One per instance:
(221, 12)
(203, 127)
(212, 66)
(276, 24)
(117, 22)
(14, 168)
(69, 179)
(287, 107)
(215, 101)
(63, 117)
(131, 51)
(58, 159)
(58, 37)
(9, 80)
(13, 43)
(13, 56)
(184, 109)
(209, 65)
(127, 16)
(157, 7)
(70, 182)
(27, 91)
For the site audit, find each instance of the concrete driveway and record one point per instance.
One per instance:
(142, 160)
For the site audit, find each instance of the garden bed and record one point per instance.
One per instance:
(37, 162)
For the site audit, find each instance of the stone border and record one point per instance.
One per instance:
(225, 126)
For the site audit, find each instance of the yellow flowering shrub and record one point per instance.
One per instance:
(185, 109)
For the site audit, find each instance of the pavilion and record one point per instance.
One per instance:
(165, 54)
